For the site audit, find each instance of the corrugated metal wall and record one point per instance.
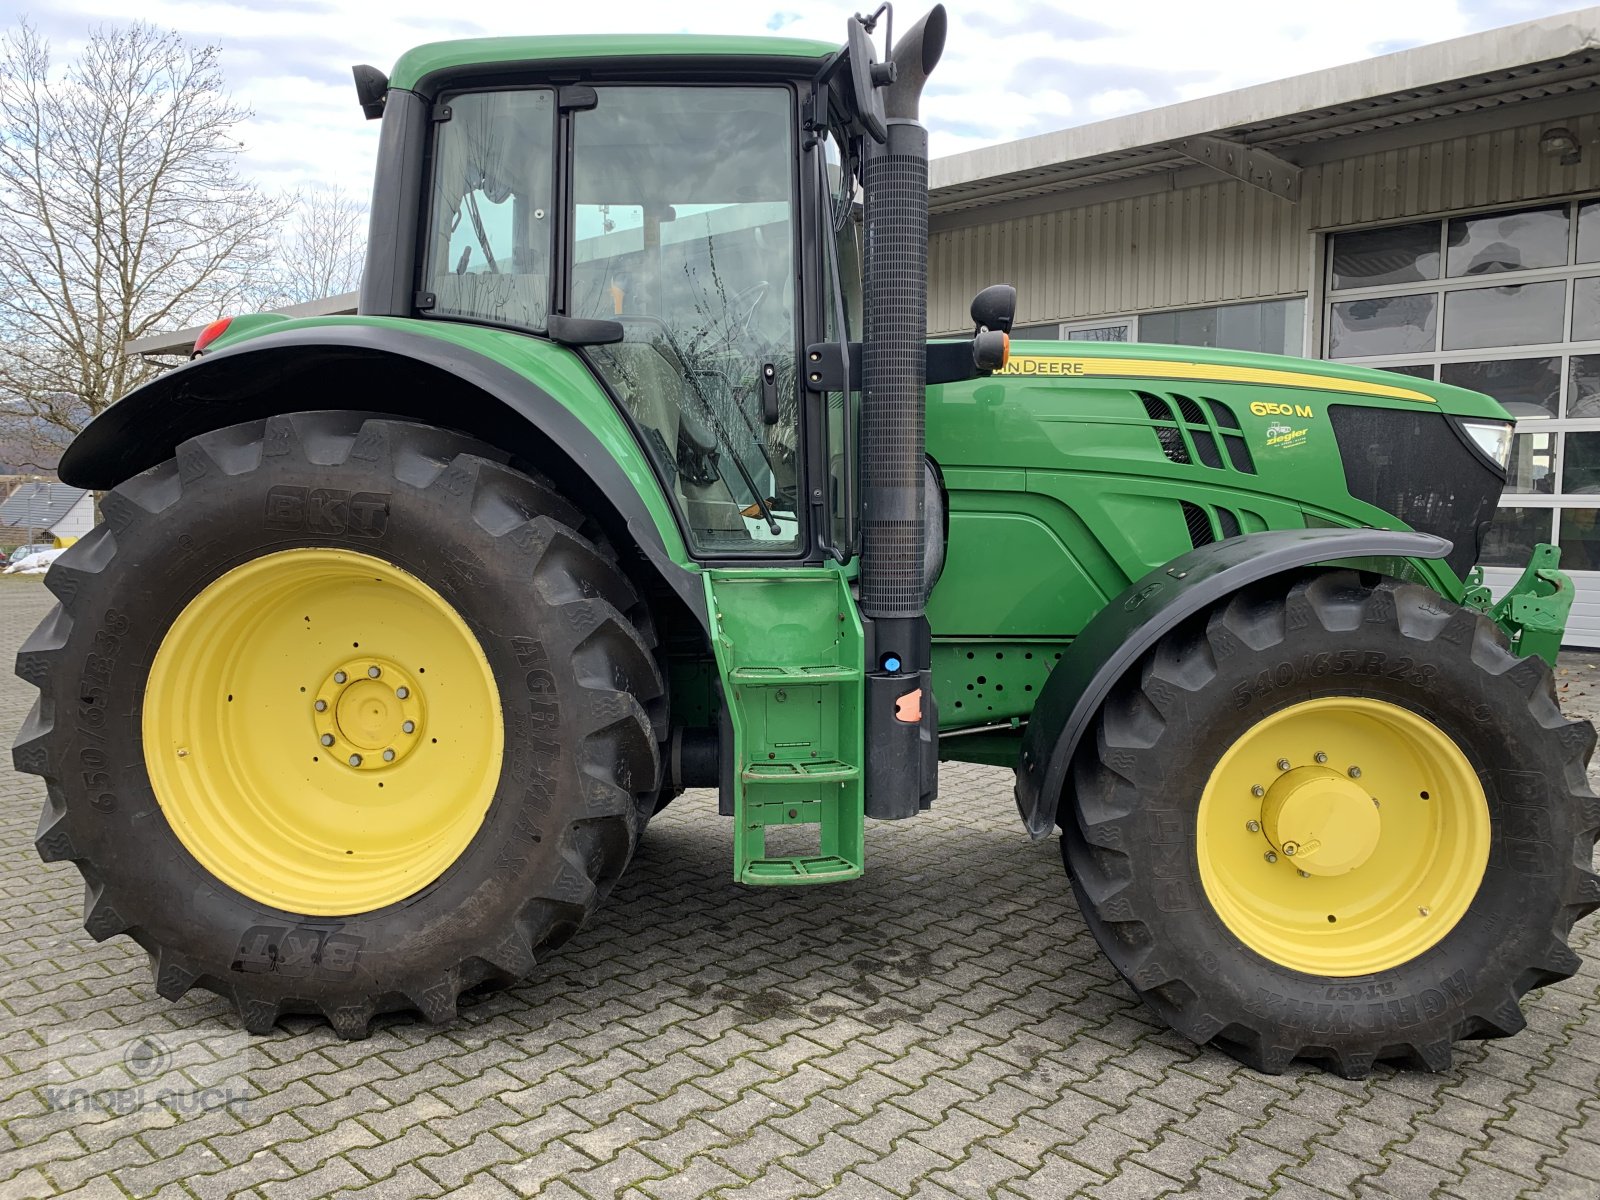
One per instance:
(1225, 241)
(1192, 246)
(1503, 167)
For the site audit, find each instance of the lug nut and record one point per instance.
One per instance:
(1253, 826)
(1258, 791)
(373, 672)
(402, 692)
(321, 706)
(1291, 848)
(1422, 911)
(1302, 874)
(1355, 772)
(1320, 757)
(340, 677)
(355, 760)
(1270, 856)
(1283, 764)
(409, 727)
(388, 756)
(327, 739)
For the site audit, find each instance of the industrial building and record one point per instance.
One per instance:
(1350, 214)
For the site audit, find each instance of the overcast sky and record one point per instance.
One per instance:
(1011, 67)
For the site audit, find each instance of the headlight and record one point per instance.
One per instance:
(1492, 437)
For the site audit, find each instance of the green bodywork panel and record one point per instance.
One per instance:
(551, 367)
(418, 64)
(788, 645)
(1061, 493)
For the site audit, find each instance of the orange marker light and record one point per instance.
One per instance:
(210, 334)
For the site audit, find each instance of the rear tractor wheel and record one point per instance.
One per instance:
(341, 717)
(1335, 820)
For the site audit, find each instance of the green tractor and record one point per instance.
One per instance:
(638, 472)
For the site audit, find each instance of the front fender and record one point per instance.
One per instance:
(1121, 632)
(523, 395)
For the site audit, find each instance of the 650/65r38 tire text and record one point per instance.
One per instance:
(341, 716)
(1335, 818)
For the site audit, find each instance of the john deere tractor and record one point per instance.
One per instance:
(637, 471)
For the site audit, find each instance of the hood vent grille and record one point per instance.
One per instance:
(1190, 433)
(1209, 523)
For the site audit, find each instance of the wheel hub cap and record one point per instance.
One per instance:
(374, 720)
(1325, 821)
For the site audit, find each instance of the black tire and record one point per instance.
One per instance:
(1129, 838)
(506, 552)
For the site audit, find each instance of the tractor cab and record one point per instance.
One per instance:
(671, 258)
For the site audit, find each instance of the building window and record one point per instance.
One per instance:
(1506, 303)
(1118, 329)
(1270, 326)
(1107, 329)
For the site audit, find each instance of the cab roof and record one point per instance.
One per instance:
(418, 64)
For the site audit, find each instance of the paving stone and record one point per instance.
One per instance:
(944, 1027)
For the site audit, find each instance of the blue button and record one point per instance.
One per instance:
(891, 663)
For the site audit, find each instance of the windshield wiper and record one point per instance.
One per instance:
(724, 441)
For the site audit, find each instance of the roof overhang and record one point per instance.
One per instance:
(181, 341)
(1269, 129)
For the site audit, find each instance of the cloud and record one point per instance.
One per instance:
(1012, 67)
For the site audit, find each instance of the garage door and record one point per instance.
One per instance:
(1508, 303)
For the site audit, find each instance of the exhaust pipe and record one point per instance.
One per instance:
(902, 746)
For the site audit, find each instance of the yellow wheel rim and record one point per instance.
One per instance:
(1342, 836)
(322, 731)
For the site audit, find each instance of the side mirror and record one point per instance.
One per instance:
(995, 308)
(865, 76)
(372, 87)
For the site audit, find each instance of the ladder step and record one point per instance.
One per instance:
(773, 676)
(821, 770)
(827, 868)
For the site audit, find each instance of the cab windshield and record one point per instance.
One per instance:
(683, 230)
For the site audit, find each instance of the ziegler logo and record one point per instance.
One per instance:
(328, 510)
(1268, 408)
(1279, 434)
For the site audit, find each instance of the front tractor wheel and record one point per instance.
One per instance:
(341, 717)
(1335, 820)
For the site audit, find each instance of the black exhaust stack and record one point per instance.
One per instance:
(901, 728)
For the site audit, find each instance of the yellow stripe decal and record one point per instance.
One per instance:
(1150, 368)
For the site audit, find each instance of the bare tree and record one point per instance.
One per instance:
(324, 246)
(121, 213)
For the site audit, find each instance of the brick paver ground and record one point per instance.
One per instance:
(943, 1028)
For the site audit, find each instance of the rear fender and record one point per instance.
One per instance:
(531, 399)
(1120, 634)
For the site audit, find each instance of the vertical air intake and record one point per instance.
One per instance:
(894, 359)
(902, 760)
